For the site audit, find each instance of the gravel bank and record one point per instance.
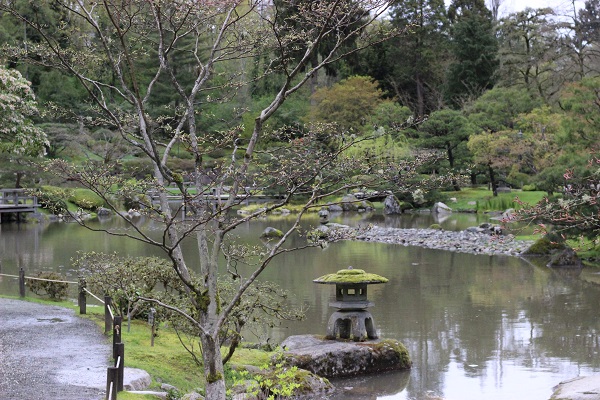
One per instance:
(462, 241)
(47, 352)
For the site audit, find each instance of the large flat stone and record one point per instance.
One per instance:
(335, 358)
(580, 388)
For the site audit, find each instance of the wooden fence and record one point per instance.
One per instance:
(114, 374)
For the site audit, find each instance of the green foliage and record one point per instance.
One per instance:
(499, 203)
(54, 290)
(475, 47)
(125, 279)
(53, 199)
(348, 103)
(274, 381)
(85, 199)
(580, 101)
(544, 246)
(18, 134)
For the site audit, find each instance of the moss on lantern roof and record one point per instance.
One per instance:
(351, 275)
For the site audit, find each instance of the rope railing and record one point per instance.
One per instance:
(93, 295)
(39, 279)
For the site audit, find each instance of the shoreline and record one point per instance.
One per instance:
(467, 241)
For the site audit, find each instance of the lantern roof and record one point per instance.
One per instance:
(351, 276)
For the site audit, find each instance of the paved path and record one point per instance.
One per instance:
(46, 352)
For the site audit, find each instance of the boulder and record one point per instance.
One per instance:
(136, 379)
(351, 203)
(566, 258)
(103, 212)
(271, 232)
(391, 205)
(332, 358)
(492, 229)
(441, 208)
(545, 246)
(335, 208)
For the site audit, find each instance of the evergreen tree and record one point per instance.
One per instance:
(475, 51)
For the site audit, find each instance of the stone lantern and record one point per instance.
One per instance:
(351, 320)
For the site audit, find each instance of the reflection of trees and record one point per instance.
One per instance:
(468, 310)
(566, 320)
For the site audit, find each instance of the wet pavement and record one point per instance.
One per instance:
(47, 352)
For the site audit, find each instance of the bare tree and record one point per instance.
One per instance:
(215, 37)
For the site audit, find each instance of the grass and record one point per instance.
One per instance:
(485, 200)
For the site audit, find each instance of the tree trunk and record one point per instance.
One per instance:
(493, 180)
(213, 368)
(451, 162)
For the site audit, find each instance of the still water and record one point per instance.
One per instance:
(476, 326)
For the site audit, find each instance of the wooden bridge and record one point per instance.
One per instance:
(16, 201)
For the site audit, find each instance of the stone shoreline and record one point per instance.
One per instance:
(458, 241)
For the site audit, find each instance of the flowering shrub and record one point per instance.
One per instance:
(18, 135)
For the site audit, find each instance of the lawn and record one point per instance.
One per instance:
(481, 199)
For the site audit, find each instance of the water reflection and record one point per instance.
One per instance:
(476, 326)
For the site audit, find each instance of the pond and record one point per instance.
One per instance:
(476, 326)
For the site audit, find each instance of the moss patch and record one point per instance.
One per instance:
(544, 246)
(351, 276)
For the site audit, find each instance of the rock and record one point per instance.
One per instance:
(134, 213)
(473, 240)
(441, 208)
(335, 208)
(192, 396)
(544, 246)
(508, 213)
(136, 379)
(271, 232)
(580, 388)
(351, 203)
(566, 258)
(167, 387)
(331, 358)
(103, 212)
(391, 205)
(492, 229)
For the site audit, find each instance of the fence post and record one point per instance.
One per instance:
(116, 334)
(111, 383)
(107, 317)
(82, 296)
(21, 282)
(151, 319)
(120, 358)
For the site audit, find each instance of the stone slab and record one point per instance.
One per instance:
(580, 388)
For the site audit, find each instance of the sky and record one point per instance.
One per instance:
(564, 7)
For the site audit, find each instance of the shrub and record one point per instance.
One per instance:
(52, 201)
(529, 188)
(55, 290)
(86, 199)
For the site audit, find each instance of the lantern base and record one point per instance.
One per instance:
(357, 325)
